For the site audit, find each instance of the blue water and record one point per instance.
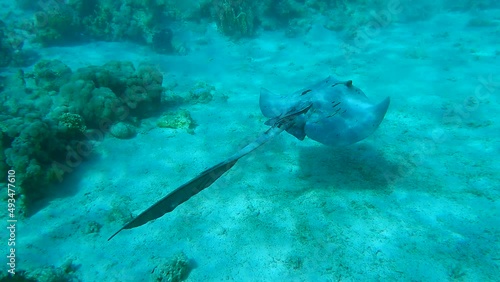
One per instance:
(107, 106)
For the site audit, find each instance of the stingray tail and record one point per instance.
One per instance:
(197, 184)
(180, 195)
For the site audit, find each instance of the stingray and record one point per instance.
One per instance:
(332, 112)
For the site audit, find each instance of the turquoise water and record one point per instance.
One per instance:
(108, 106)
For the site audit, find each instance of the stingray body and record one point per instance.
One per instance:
(332, 112)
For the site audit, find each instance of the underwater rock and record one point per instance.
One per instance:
(123, 130)
(175, 270)
(201, 93)
(180, 119)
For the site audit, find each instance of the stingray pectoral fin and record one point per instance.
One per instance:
(345, 128)
(179, 195)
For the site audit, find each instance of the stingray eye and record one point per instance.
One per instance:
(348, 83)
(305, 92)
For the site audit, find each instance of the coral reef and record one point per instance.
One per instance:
(6, 50)
(3, 144)
(57, 26)
(66, 272)
(50, 75)
(103, 107)
(201, 93)
(180, 119)
(31, 145)
(72, 124)
(241, 18)
(45, 130)
(67, 22)
(143, 92)
(175, 270)
(123, 130)
(11, 48)
(281, 13)
(234, 18)
(156, 22)
(27, 4)
(112, 92)
(151, 21)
